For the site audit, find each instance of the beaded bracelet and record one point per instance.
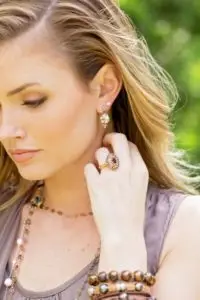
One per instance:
(104, 285)
(120, 288)
(127, 276)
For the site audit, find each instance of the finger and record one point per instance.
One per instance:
(91, 174)
(101, 156)
(137, 160)
(120, 147)
(135, 154)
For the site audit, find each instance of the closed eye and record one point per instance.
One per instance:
(34, 103)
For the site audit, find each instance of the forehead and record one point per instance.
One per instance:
(28, 60)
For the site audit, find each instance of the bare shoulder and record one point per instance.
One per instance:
(178, 273)
(185, 227)
(189, 211)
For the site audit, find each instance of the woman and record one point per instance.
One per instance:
(95, 199)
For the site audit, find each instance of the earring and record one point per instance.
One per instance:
(104, 116)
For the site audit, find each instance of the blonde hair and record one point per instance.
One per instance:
(93, 33)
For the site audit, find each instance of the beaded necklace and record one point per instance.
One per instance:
(37, 202)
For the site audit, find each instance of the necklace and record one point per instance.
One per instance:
(39, 201)
(36, 202)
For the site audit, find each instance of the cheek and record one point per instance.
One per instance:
(69, 127)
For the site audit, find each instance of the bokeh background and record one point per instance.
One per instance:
(172, 31)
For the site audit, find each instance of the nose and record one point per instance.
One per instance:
(9, 131)
(10, 124)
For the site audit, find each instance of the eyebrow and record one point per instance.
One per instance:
(21, 88)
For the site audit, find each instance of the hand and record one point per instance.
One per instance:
(118, 197)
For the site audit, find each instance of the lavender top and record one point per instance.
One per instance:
(161, 206)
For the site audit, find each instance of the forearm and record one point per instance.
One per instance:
(121, 256)
(124, 255)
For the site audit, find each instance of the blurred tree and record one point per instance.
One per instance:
(172, 31)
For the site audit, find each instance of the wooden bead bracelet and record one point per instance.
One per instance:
(126, 276)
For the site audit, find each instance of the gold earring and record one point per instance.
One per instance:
(104, 116)
(105, 119)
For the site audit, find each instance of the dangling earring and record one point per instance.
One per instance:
(104, 116)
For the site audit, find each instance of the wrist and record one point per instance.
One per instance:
(124, 254)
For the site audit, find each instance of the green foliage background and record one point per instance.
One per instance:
(172, 31)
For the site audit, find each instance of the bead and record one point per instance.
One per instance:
(93, 280)
(91, 291)
(26, 231)
(149, 279)
(138, 276)
(113, 276)
(21, 248)
(28, 222)
(139, 287)
(121, 286)
(123, 296)
(31, 212)
(20, 242)
(8, 282)
(103, 288)
(126, 276)
(20, 257)
(102, 276)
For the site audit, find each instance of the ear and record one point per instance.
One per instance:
(107, 85)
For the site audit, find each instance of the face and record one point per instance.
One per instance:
(52, 112)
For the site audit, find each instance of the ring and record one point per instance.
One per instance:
(103, 166)
(112, 162)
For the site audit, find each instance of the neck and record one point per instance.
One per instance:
(67, 190)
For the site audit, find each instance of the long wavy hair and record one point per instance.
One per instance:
(93, 33)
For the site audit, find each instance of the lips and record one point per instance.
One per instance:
(22, 155)
(22, 151)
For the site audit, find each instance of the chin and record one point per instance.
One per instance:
(33, 173)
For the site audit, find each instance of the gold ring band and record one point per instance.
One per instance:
(103, 166)
(112, 162)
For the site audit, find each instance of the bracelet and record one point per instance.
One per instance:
(124, 296)
(130, 296)
(118, 287)
(127, 276)
(121, 285)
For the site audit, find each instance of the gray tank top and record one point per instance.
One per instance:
(161, 206)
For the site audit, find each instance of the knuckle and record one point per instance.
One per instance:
(133, 146)
(103, 151)
(121, 136)
(118, 135)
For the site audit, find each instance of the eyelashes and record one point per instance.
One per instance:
(34, 103)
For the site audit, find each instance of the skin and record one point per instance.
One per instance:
(67, 130)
